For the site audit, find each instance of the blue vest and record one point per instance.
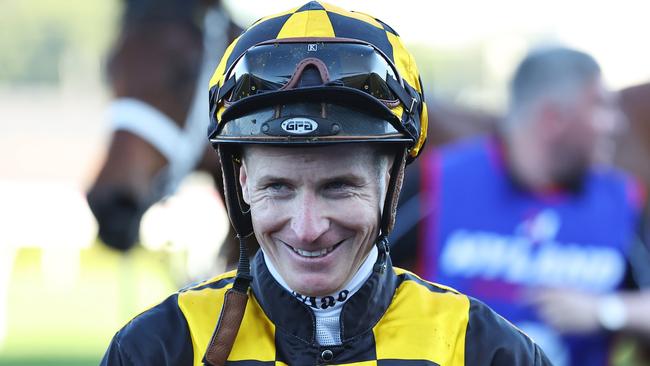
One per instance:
(489, 238)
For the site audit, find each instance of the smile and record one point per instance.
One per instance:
(315, 253)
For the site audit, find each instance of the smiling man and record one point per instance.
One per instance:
(315, 113)
(315, 213)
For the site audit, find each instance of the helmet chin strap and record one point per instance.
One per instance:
(239, 214)
(390, 209)
(236, 298)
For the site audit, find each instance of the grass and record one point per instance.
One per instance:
(63, 308)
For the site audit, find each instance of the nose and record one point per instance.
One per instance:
(118, 212)
(308, 222)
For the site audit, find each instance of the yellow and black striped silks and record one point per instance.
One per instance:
(396, 318)
(318, 19)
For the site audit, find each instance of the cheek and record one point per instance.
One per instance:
(267, 215)
(358, 215)
(581, 134)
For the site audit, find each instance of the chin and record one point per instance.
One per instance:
(315, 285)
(572, 178)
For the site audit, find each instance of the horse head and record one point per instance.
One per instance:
(153, 72)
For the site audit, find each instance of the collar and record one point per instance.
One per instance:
(330, 305)
(292, 316)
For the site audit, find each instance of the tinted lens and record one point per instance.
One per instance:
(269, 67)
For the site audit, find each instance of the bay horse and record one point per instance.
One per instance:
(158, 70)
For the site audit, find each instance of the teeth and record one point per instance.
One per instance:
(316, 253)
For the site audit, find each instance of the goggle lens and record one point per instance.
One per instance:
(270, 67)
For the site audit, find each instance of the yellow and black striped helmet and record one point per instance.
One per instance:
(318, 74)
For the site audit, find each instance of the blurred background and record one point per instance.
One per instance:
(63, 294)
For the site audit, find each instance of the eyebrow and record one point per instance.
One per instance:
(272, 178)
(349, 177)
(353, 178)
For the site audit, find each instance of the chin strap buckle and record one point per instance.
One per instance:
(384, 249)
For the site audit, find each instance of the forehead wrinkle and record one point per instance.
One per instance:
(337, 161)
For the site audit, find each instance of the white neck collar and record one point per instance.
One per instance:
(330, 304)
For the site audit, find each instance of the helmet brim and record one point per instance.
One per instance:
(332, 115)
(339, 95)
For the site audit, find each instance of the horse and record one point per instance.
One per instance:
(157, 70)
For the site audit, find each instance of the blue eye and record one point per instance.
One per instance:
(337, 185)
(276, 186)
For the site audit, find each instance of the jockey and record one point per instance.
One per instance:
(315, 113)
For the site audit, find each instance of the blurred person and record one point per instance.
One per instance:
(530, 222)
(315, 113)
(634, 146)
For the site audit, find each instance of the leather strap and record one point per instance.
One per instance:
(300, 68)
(224, 335)
(392, 196)
(236, 298)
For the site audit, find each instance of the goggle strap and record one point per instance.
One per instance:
(213, 125)
(408, 127)
(225, 89)
(404, 121)
(300, 68)
(415, 96)
(402, 94)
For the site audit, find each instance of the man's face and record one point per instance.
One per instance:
(591, 124)
(315, 210)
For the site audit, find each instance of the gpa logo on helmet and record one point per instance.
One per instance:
(299, 126)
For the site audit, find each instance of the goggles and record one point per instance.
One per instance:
(282, 65)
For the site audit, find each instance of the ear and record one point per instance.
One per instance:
(243, 181)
